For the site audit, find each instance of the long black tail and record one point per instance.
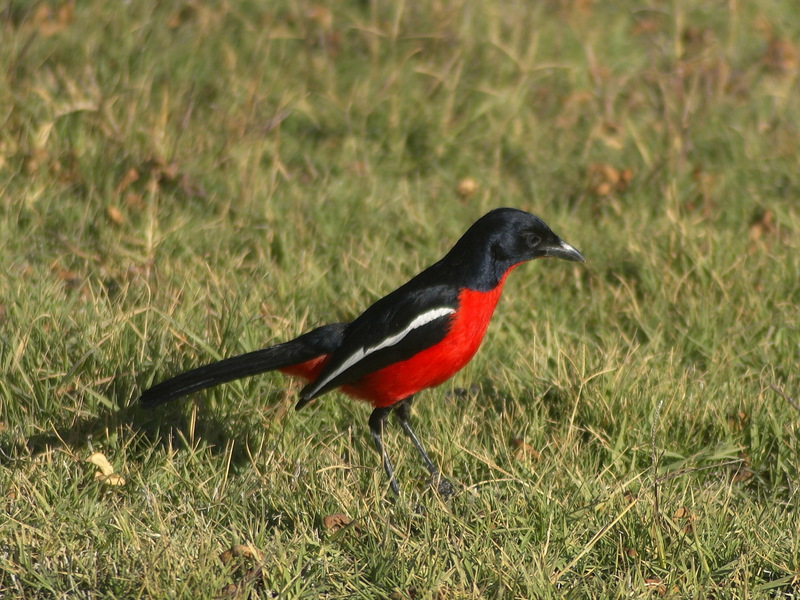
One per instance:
(322, 340)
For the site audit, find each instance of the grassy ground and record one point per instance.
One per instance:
(182, 181)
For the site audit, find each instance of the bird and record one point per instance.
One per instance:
(414, 338)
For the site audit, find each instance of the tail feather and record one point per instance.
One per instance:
(320, 341)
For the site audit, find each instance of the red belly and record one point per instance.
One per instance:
(428, 368)
(436, 364)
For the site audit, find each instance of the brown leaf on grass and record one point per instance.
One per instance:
(321, 16)
(130, 176)
(240, 551)
(186, 13)
(229, 591)
(695, 39)
(152, 186)
(610, 133)
(98, 459)
(169, 173)
(11, 497)
(762, 26)
(762, 223)
(321, 31)
(573, 108)
(72, 280)
(604, 179)
(656, 585)
(704, 198)
(106, 473)
(466, 188)
(680, 513)
(762, 227)
(648, 26)
(48, 21)
(625, 176)
(684, 519)
(34, 160)
(161, 169)
(336, 522)
(113, 479)
(737, 421)
(742, 475)
(245, 553)
(524, 451)
(114, 215)
(134, 201)
(742, 471)
(153, 175)
(65, 168)
(780, 56)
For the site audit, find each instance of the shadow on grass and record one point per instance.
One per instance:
(173, 426)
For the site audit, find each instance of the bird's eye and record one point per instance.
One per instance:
(532, 240)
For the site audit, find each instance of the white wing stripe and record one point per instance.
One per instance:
(361, 353)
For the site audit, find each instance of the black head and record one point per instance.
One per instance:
(505, 237)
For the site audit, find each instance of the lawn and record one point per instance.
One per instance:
(182, 181)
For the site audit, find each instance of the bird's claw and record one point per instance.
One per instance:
(446, 489)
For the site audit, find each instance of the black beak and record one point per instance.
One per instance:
(565, 251)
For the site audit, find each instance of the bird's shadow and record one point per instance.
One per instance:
(188, 422)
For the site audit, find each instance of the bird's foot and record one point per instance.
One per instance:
(446, 489)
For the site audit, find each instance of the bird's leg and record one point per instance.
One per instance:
(402, 411)
(376, 421)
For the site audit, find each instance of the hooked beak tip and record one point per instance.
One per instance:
(566, 252)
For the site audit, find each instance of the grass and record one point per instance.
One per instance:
(183, 181)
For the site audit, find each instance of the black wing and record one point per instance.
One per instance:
(393, 329)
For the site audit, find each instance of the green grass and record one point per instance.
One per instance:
(183, 181)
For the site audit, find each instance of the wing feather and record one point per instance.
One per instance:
(392, 330)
